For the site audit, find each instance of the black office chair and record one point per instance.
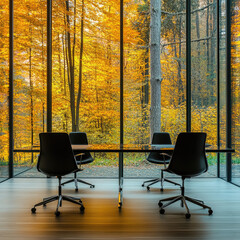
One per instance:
(159, 158)
(56, 159)
(80, 138)
(188, 160)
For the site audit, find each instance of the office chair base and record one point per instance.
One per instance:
(59, 198)
(183, 200)
(76, 181)
(161, 180)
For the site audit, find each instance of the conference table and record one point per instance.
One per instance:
(127, 148)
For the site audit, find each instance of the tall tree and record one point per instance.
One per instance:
(155, 34)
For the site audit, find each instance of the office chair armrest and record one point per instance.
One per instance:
(38, 156)
(165, 154)
(79, 154)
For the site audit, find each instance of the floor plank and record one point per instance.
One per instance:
(138, 219)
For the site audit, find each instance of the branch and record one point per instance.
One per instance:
(194, 40)
(183, 13)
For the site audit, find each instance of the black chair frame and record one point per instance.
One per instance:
(198, 168)
(56, 159)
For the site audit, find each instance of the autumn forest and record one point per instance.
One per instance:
(86, 70)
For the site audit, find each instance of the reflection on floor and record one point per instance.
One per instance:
(138, 219)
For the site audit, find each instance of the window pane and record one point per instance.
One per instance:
(137, 75)
(29, 77)
(86, 50)
(204, 83)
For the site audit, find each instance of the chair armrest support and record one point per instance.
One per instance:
(165, 154)
(79, 154)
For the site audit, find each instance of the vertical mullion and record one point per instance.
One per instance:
(49, 65)
(10, 107)
(121, 92)
(218, 85)
(120, 161)
(228, 90)
(188, 65)
(121, 71)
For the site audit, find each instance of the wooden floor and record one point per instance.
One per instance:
(138, 219)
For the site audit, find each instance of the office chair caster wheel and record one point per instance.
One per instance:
(44, 205)
(162, 211)
(148, 188)
(92, 186)
(33, 210)
(161, 189)
(142, 185)
(187, 215)
(76, 189)
(57, 213)
(160, 204)
(82, 208)
(210, 211)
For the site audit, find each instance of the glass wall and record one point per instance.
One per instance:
(236, 91)
(86, 77)
(4, 68)
(137, 78)
(203, 75)
(29, 77)
(86, 69)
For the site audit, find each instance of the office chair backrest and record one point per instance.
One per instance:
(160, 138)
(189, 158)
(78, 138)
(56, 156)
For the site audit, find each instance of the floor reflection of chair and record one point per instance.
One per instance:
(56, 159)
(80, 138)
(188, 160)
(159, 158)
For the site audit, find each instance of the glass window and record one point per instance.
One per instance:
(86, 63)
(29, 77)
(138, 88)
(203, 75)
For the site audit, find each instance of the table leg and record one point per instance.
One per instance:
(120, 178)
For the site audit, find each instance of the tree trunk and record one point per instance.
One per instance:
(80, 70)
(155, 33)
(71, 71)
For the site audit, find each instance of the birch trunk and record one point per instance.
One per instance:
(155, 81)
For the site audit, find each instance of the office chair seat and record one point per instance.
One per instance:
(85, 160)
(157, 161)
(188, 160)
(56, 159)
